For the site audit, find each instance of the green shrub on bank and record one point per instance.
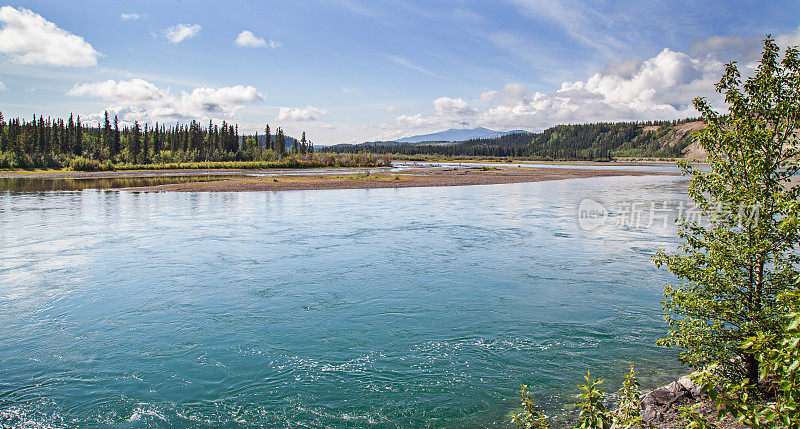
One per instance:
(166, 160)
(84, 164)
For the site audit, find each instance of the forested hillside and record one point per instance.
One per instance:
(662, 139)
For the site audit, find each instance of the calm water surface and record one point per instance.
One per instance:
(418, 307)
(579, 165)
(36, 184)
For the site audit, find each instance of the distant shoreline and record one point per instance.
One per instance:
(360, 178)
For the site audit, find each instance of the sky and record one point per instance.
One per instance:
(348, 71)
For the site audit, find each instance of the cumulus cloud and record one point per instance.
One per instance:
(247, 39)
(129, 16)
(178, 33)
(298, 114)
(417, 121)
(138, 99)
(791, 39)
(660, 87)
(134, 90)
(28, 38)
(453, 106)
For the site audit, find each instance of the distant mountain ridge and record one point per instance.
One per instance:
(458, 135)
(589, 141)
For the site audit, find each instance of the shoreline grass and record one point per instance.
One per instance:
(291, 162)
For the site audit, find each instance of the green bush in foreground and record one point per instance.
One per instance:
(780, 364)
(593, 413)
(740, 251)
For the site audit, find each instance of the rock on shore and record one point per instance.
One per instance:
(661, 405)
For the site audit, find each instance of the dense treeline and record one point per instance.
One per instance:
(563, 142)
(56, 143)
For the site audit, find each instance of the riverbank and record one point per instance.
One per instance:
(236, 180)
(371, 179)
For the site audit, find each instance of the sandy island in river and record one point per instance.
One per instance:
(288, 180)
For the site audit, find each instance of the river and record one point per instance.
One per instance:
(416, 307)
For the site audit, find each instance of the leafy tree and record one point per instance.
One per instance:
(734, 265)
(778, 358)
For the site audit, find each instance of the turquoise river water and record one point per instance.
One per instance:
(418, 307)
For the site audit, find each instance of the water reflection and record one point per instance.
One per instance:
(35, 184)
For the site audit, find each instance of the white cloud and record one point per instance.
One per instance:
(28, 38)
(134, 90)
(418, 121)
(661, 87)
(453, 106)
(2, 86)
(129, 16)
(391, 109)
(308, 113)
(791, 39)
(179, 33)
(247, 39)
(138, 99)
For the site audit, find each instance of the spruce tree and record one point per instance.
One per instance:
(3, 144)
(69, 144)
(268, 139)
(77, 147)
(116, 139)
(106, 140)
(134, 142)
